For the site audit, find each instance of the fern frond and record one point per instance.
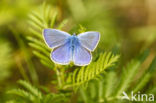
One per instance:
(43, 18)
(43, 57)
(129, 73)
(109, 85)
(22, 93)
(32, 95)
(142, 82)
(36, 33)
(90, 72)
(31, 89)
(55, 98)
(39, 48)
(62, 24)
(100, 90)
(84, 95)
(36, 19)
(35, 25)
(53, 20)
(92, 90)
(37, 42)
(146, 76)
(108, 89)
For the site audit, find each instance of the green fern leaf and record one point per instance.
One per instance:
(31, 89)
(146, 76)
(32, 95)
(85, 74)
(22, 93)
(39, 20)
(129, 73)
(110, 82)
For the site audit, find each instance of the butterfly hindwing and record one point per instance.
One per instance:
(81, 56)
(89, 40)
(55, 38)
(62, 54)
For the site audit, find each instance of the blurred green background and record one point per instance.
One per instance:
(127, 27)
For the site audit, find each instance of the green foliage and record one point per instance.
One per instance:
(38, 22)
(142, 34)
(131, 70)
(45, 17)
(31, 94)
(109, 89)
(26, 57)
(96, 16)
(102, 84)
(5, 59)
(143, 81)
(92, 71)
(9, 13)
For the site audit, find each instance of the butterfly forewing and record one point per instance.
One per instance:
(89, 40)
(55, 38)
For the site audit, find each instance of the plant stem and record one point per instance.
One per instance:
(21, 69)
(58, 76)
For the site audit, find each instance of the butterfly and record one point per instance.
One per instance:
(67, 48)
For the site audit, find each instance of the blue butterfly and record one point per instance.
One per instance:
(67, 48)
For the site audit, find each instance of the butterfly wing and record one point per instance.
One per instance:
(81, 56)
(89, 40)
(62, 54)
(55, 38)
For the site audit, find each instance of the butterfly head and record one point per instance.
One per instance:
(74, 34)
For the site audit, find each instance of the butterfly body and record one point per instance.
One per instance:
(72, 42)
(71, 48)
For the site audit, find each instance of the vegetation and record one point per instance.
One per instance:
(121, 63)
